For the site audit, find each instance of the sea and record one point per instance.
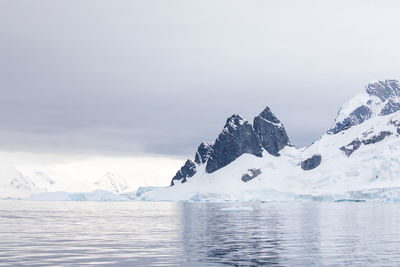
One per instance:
(45, 233)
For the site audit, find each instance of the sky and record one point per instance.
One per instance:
(133, 78)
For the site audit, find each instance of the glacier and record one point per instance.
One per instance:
(96, 195)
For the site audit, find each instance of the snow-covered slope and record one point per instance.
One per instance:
(14, 185)
(358, 158)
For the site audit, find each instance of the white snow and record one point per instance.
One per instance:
(364, 99)
(280, 125)
(14, 185)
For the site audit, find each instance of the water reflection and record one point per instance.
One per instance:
(232, 238)
(198, 234)
(292, 234)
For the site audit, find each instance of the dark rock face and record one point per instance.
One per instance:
(350, 148)
(376, 138)
(272, 134)
(253, 173)
(188, 170)
(311, 163)
(359, 115)
(356, 143)
(384, 89)
(203, 153)
(390, 107)
(237, 138)
(387, 92)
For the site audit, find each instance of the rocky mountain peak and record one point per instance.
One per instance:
(383, 89)
(379, 99)
(233, 122)
(267, 115)
(237, 137)
(272, 134)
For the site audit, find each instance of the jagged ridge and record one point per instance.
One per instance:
(359, 161)
(379, 99)
(268, 133)
(237, 138)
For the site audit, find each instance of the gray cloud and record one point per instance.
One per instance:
(162, 76)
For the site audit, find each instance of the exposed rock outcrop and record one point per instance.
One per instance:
(311, 163)
(384, 89)
(359, 115)
(356, 143)
(250, 175)
(237, 138)
(379, 99)
(376, 138)
(188, 170)
(350, 148)
(271, 132)
(204, 151)
(390, 107)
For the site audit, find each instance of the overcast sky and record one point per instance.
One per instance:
(158, 77)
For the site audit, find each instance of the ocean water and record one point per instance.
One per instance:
(199, 234)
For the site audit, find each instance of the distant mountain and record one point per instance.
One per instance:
(113, 183)
(14, 185)
(56, 186)
(357, 158)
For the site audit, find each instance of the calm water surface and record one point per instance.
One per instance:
(198, 234)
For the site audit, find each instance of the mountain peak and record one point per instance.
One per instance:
(233, 122)
(237, 137)
(383, 89)
(273, 136)
(379, 99)
(267, 115)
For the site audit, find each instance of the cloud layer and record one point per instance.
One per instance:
(136, 77)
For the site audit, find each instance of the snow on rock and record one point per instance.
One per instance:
(379, 99)
(187, 171)
(272, 134)
(358, 159)
(238, 137)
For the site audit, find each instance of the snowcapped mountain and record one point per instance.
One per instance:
(357, 158)
(79, 177)
(113, 183)
(238, 137)
(14, 185)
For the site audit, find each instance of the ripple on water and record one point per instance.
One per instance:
(205, 234)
